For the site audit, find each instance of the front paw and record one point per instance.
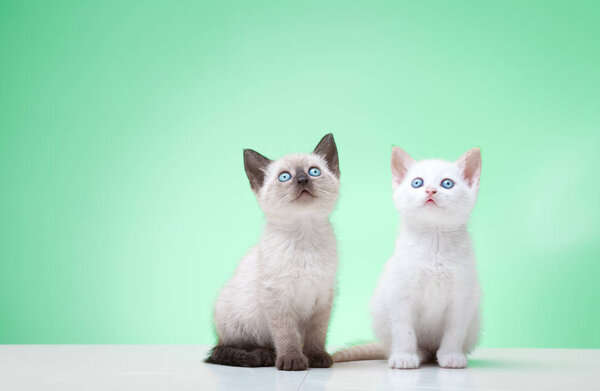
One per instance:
(403, 361)
(319, 360)
(292, 362)
(452, 360)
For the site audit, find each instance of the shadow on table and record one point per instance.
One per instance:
(501, 364)
(504, 364)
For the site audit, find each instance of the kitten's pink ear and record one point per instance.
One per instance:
(401, 161)
(470, 164)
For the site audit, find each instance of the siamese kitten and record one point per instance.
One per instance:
(275, 309)
(426, 304)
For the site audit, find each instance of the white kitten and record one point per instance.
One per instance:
(276, 307)
(426, 303)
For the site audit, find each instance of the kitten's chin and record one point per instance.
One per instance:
(432, 215)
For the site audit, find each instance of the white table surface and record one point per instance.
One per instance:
(180, 367)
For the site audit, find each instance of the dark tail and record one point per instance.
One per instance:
(237, 357)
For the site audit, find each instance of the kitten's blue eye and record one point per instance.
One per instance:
(416, 183)
(285, 176)
(447, 183)
(314, 171)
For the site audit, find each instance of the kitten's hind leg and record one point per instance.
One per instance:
(239, 357)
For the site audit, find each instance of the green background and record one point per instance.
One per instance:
(124, 205)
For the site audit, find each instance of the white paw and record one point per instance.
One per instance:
(403, 361)
(452, 360)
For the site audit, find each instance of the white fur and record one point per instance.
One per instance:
(427, 300)
(290, 273)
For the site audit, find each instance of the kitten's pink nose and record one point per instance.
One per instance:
(430, 190)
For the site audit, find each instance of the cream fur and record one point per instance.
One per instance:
(281, 293)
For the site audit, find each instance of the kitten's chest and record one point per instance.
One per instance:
(310, 289)
(301, 289)
(433, 273)
(435, 280)
(433, 290)
(301, 272)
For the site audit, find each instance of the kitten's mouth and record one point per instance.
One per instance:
(430, 201)
(304, 194)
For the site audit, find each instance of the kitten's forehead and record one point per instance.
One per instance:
(303, 160)
(434, 168)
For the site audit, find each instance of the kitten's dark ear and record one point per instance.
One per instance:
(401, 161)
(470, 163)
(255, 165)
(328, 151)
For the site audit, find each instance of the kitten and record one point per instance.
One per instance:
(427, 299)
(275, 309)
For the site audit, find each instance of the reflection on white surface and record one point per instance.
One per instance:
(268, 379)
(127, 367)
(430, 376)
(375, 375)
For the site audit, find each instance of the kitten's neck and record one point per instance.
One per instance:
(425, 227)
(434, 239)
(297, 223)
